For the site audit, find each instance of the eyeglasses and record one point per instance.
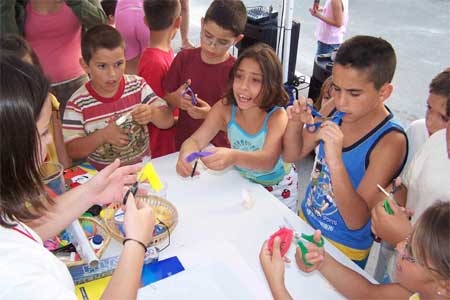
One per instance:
(210, 40)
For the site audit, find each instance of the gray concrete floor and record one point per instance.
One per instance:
(418, 30)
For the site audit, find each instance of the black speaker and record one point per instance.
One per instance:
(266, 32)
(323, 65)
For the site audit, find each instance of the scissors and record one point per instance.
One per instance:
(133, 189)
(311, 128)
(309, 238)
(191, 93)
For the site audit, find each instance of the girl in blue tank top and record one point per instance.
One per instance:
(255, 123)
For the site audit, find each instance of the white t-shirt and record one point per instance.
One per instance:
(29, 271)
(417, 135)
(427, 177)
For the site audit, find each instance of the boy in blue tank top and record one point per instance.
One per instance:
(367, 147)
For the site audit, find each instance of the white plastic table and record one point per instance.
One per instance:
(210, 209)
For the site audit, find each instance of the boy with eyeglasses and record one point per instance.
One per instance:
(205, 69)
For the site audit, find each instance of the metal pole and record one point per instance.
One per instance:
(288, 16)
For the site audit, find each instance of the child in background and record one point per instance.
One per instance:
(109, 6)
(423, 264)
(333, 19)
(129, 18)
(56, 149)
(107, 118)
(436, 117)
(426, 176)
(28, 270)
(368, 148)
(325, 93)
(206, 68)
(163, 19)
(254, 120)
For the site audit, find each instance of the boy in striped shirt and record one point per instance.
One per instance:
(106, 118)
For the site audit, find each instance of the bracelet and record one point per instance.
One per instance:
(137, 241)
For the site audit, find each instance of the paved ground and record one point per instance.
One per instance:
(418, 30)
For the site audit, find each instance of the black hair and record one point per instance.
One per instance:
(23, 92)
(228, 14)
(19, 46)
(100, 36)
(371, 54)
(440, 85)
(160, 14)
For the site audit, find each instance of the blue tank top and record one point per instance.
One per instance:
(319, 208)
(241, 140)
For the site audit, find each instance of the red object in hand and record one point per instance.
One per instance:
(316, 5)
(285, 235)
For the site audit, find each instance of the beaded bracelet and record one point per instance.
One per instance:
(137, 241)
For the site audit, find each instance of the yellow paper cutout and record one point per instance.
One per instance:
(149, 173)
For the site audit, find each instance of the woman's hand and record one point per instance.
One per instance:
(107, 185)
(139, 220)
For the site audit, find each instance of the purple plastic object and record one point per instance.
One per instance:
(194, 155)
(191, 93)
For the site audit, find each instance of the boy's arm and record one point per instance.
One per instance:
(81, 147)
(385, 161)
(152, 109)
(297, 141)
(78, 144)
(161, 116)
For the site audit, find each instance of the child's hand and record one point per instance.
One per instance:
(315, 12)
(300, 112)
(184, 168)
(314, 256)
(391, 228)
(331, 134)
(113, 134)
(221, 158)
(139, 220)
(272, 264)
(183, 102)
(200, 111)
(142, 114)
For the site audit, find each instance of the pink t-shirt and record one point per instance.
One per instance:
(330, 34)
(129, 19)
(56, 39)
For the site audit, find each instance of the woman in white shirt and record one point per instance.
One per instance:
(28, 215)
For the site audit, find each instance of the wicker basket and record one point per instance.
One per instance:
(100, 229)
(164, 211)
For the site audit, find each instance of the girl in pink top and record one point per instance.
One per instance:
(53, 29)
(129, 20)
(333, 19)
